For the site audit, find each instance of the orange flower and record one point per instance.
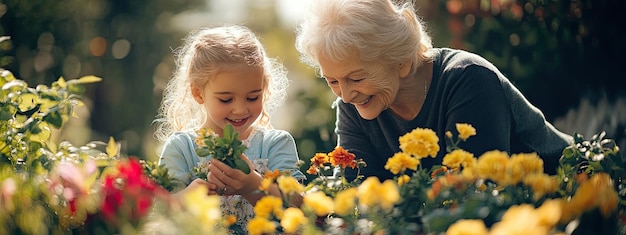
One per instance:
(312, 170)
(319, 159)
(271, 174)
(341, 157)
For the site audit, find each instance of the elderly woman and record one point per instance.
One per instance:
(378, 59)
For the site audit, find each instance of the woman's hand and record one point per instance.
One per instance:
(230, 181)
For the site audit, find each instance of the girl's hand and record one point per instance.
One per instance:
(231, 181)
(199, 183)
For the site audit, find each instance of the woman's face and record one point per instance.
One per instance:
(371, 89)
(233, 96)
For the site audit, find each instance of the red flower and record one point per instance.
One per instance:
(128, 194)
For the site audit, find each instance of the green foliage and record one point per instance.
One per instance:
(588, 157)
(227, 149)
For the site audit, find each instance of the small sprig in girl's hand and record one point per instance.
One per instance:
(227, 149)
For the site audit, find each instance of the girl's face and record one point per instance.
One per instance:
(234, 96)
(370, 91)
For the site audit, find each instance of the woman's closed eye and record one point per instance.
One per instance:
(331, 81)
(251, 99)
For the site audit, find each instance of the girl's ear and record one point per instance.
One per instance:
(405, 68)
(196, 92)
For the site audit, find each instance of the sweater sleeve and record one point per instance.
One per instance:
(282, 153)
(179, 156)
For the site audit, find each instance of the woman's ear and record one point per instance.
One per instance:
(196, 92)
(405, 68)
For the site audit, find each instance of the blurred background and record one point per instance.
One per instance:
(566, 56)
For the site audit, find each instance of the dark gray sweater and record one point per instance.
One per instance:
(465, 88)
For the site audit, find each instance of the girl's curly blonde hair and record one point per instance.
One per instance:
(205, 52)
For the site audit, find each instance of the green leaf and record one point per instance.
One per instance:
(242, 165)
(54, 118)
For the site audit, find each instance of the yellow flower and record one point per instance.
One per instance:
(523, 164)
(288, 185)
(549, 212)
(465, 130)
(458, 158)
(345, 202)
(467, 227)
(293, 220)
(492, 165)
(268, 205)
(400, 162)
(598, 192)
(520, 219)
(372, 193)
(319, 202)
(265, 184)
(202, 206)
(420, 143)
(260, 226)
(368, 192)
(403, 179)
(389, 194)
(541, 184)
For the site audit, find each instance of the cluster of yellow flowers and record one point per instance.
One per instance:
(492, 173)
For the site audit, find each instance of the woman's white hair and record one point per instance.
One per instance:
(375, 31)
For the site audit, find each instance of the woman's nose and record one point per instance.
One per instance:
(347, 93)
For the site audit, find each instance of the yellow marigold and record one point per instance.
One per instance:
(400, 162)
(403, 179)
(468, 173)
(368, 192)
(467, 227)
(549, 212)
(260, 226)
(541, 184)
(288, 185)
(268, 205)
(590, 194)
(604, 195)
(345, 202)
(420, 142)
(458, 158)
(341, 157)
(523, 164)
(389, 194)
(521, 219)
(492, 165)
(465, 130)
(265, 184)
(205, 208)
(608, 202)
(319, 159)
(372, 193)
(320, 203)
(293, 220)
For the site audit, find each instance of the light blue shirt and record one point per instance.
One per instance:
(267, 148)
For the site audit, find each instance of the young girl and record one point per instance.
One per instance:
(224, 77)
